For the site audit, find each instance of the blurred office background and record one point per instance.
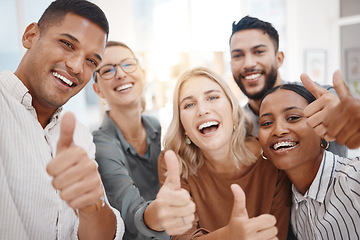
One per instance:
(170, 36)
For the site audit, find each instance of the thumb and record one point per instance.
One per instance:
(239, 208)
(172, 165)
(66, 132)
(311, 86)
(340, 86)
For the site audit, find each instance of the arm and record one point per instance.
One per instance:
(76, 177)
(120, 188)
(172, 210)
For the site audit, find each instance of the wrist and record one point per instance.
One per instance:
(94, 207)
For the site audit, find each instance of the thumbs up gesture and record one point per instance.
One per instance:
(343, 122)
(318, 110)
(74, 174)
(241, 227)
(175, 210)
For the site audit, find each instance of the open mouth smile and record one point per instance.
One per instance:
(208, 127)
(64, 79)
(284, 145)
(252, 76)
(124, 87)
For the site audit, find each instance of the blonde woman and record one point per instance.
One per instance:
(211, 137)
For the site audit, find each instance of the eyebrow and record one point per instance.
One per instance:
(285, 110)
(77, 41)
(254, 47)
(191, 96)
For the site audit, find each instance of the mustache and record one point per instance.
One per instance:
(252, 70)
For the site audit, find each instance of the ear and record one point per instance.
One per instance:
(32, 32)
(279, 58)
(97, 90)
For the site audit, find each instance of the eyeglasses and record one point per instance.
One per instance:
(108, 71)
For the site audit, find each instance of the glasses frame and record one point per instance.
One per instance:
(120, 65)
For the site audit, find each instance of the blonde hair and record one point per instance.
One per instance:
(190, 156)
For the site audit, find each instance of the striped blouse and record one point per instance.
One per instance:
(30, 208)
(330, 209)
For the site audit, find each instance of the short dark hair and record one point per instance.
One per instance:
(57, 10)
(296, 88)
(248, 22)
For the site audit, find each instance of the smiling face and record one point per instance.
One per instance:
(206, 114)
(124, 88)
(254, 62)
(60, 60)
(284, 134)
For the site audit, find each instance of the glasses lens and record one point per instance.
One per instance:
(129, 65)
(107, 71)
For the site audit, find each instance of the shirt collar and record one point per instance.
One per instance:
(319, 186)
(110, 126)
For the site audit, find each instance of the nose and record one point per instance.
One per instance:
(250, 61)
(75, 63)
(280, 129)
(202, 109)
(119, 73)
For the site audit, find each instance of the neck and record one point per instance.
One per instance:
(255, 104)
(303, 176)
(219, 161)
(131, 127)
(129, 122)
(43, 111)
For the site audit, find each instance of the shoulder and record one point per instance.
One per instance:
(347, 167)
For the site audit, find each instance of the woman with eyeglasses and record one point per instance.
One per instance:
(128, 145)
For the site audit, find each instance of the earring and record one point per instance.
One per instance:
(322, 145)
(187, 140)
(262, 154)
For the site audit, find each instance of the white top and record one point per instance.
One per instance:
(30, 208)
(330, 209)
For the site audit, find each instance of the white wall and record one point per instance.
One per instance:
(311, 25)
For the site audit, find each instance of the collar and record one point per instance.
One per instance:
(110, 126)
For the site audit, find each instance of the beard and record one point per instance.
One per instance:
(269, 84)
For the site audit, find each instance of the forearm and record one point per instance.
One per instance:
(96, 225)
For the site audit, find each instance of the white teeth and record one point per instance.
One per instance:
(64, 79)
(283, 144)
(208, 124)
(253, 76)
(123, 87)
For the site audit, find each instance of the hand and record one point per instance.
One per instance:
(74, 174)
(343, 122)
(176, 210)
(318, 110)
(241, 227)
